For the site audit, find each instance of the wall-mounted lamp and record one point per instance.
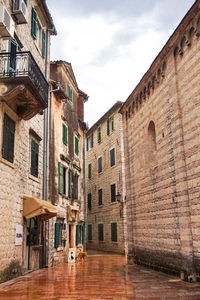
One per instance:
(118, 197)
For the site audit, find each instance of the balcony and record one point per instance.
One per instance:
(23, 86)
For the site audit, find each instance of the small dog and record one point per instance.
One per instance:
(81, 255)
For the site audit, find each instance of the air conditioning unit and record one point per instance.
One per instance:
(7, 25)
(20, 10)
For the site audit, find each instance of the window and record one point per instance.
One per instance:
(33, 237)
(70, 183)
(152, 135)
(78, 234)
(99, 164)
(110, 125)
(100, 197)
(89, 170)
(114, 232)
(100, 232)
(89, 232)
(112, 192)
(34, 23)
(64, 134)
(34, 157)
(37, 32)
(76, 146)
(26, 2)
(70, 92)
(92, 140)
(60, 233)
(112, 157)
(75, 186)
(87, 144)
(43, 43)
(99, 134)
(8, 138)
(89, 201)
(62, 179)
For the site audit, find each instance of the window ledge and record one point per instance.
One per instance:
(36, 179)
(8, 163)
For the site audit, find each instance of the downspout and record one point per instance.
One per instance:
(84, 187)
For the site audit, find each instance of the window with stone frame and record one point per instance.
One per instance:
(113, 193)
(59, 239)
(8, 138)
(62, 179)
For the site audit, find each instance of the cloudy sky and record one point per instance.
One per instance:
(111, 43)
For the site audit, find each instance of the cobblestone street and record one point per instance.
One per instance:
(99, 277)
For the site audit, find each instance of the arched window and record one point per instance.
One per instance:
(152, 136)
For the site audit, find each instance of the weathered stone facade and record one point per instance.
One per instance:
(101, 208)
(66, 162)
(162, 146)
(15, 171)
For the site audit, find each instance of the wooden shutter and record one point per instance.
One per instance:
(108, 126)
(34, 23)
(92, 140)
(64, 133)
(64, 226)
(112, 123)
(56, 238)
(100, 232)
(70, 92)
(76, 146)
(99, 134)
(90, 232)
(60, 178)
(8, 138)
(77, 234)
(99, 164)
(83, 234)
(70, 183)
(43, 43)
(89, 170)
(112, 157)
(34, 158)
(100, 197)
(87, 144)
(112, 189)
(89, 201)
(114, 232)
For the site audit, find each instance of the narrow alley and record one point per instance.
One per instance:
(98, 277)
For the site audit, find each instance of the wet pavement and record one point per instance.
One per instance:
(98, 277)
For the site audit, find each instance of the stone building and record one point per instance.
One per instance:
(66, 162)
(106, 228)
(162, 147)
(25, 30)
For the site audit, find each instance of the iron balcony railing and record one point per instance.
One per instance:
(20, 65)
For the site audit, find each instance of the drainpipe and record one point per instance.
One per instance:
(84, 186)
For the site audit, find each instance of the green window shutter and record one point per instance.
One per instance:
(108, 127)
(89, 170)
(60, 178)
(26, 2)
(64, 229)
(8, 138)
(112, 123)
(56, 238)
(64, 133)
(87, 144)
(114, 232)
(99, 164)
(92, 140)
(100, 197)
(112, 157)
(70, 92)
(70, 183)
(113, 193)
(76, 146)
(77, 234)
(34, 158)
(99, 134)
(43, 43)
(83, 234)
(100, 232)
(89, 201)
(34, 23)
(90, 232)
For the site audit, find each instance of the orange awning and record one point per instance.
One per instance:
(36, 207)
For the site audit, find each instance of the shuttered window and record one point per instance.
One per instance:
(60, 178)
(8, 138)
(69, 183)
(56, 236)
(89, 201)
(34, 24)
(83, 234)
(89, 170)
(75, 186)
(99, 164)
(76, 145)
(108, 126)
(70, 92)
(43, 43)
(34, 157)
(92, 140)
(64, 133)
(90, 232)
(99, 134)
(112, 123)
(87, 144)
(100, 197)
(112, 192)
(100, 232)
(114, 232)
(77, 234)
(112, 157)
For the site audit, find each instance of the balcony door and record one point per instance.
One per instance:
(12, 60)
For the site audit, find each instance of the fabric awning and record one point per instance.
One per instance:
(70, 208)
(36, 207)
